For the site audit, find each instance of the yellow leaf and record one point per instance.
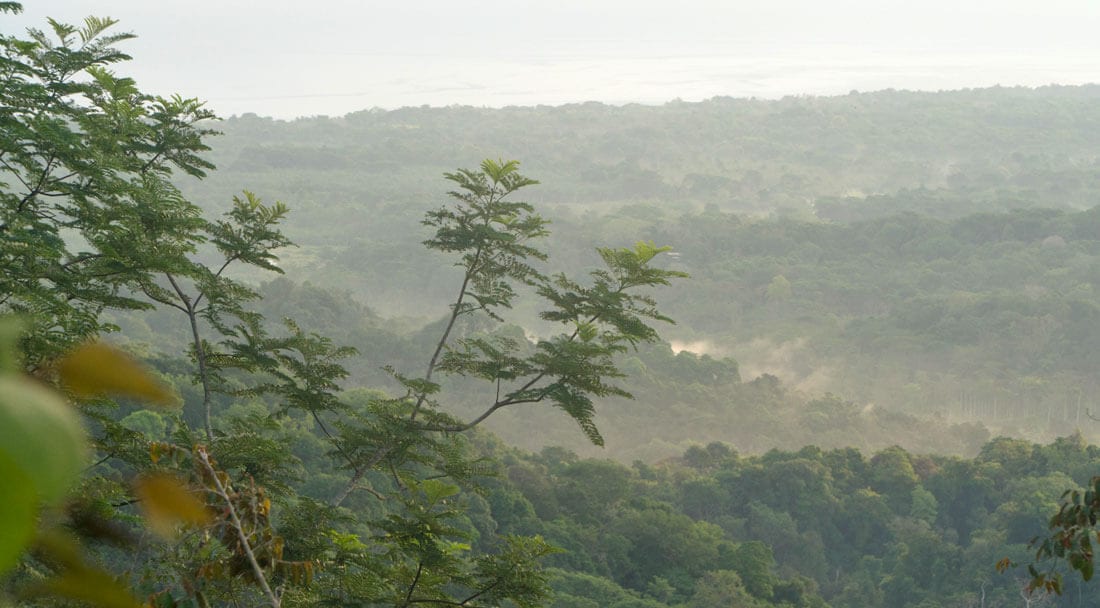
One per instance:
(96, 369)
(167, 502)
(92, 586)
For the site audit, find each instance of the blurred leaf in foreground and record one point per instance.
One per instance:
(41, 435)
(17, 512)
(97, 369)
(167, 503)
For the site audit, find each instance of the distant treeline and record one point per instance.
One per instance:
(1001, 147)
(932, 253)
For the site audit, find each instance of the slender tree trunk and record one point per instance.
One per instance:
(200, 357)
(189, 307)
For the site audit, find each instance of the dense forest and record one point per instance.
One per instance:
(929, 253)
(806, 352)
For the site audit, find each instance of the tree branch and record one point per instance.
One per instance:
(145, 290)
(239, 527)
(416, 579)
(217, 274)
(456, 310)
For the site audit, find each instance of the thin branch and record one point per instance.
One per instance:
(152, 160)
(125, 503)
(456, 310)
(397, 478)
(416, 579)
(200, 354)
(145, 290)
(458, 428)
(19, 177)
(217, 274)
(373, 492)
(179, 290)
(65, 177)
(479, 593)
(224, 495)
(351, 485)
(348, 488)
(95, 464)
(542, 375)
(81, 259)
(38, 187)
(339, 448)
(229, 261)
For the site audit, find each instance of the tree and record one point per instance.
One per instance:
(413, 438)
(779, 290)
(493, 240)
(722, 588)
(87, 210)
(893, 477)
(249, 234)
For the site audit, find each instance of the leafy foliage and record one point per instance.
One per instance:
(1073, 530)
(85, 159)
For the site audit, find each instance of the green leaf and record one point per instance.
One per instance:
(18, 508)
(41, 435)
(1056, 584)
(436, 490)
(587, 331)
(453, 547)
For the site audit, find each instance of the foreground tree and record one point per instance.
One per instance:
(412, 438)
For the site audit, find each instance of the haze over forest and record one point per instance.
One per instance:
(706, 305)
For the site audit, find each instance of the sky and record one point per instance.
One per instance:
(330, 57)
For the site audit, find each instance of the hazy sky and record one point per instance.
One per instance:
(288, 59)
